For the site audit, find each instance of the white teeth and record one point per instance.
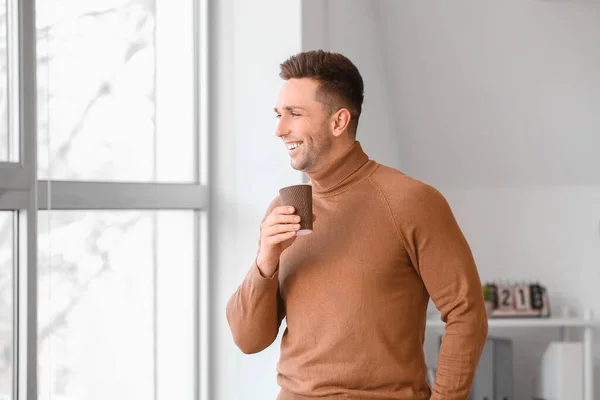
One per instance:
(292, 146)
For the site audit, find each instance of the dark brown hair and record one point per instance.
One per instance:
(340, 83)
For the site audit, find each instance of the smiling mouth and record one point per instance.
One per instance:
(293, 146)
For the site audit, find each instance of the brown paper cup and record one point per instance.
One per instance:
(299, 197)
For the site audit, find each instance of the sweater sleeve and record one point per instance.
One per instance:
(442, 257)
(255, 311)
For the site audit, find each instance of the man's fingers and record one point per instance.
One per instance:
(283, 210)
(276, 239)
(287, 219)
(280, 228)
(275, 219)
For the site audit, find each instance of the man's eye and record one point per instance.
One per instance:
(278, 116)
(295, 115)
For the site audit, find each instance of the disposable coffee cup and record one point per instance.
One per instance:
(299, 197)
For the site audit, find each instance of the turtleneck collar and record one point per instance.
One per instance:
(349, 168)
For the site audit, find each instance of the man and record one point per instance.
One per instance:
(355, 291)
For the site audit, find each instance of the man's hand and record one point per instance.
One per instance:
(277, 233)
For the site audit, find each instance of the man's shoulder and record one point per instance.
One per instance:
(403, 190)
(398, 182)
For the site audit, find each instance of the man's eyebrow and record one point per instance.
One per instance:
(290, 108)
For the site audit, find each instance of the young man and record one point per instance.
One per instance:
(355, 291)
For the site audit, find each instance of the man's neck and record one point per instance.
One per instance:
(336, 152)
(340, 171)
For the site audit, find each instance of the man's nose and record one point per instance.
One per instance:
(281, 129)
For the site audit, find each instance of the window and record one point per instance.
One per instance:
(9, 143)
(6, 304)
(3, 84)
(103, 199)
(116, 90)
(116, 304)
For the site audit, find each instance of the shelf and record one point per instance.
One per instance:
(587, 322)
(528, 323)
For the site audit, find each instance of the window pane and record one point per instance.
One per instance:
(6, 305)
(116, 306)
(116, 90)
(3, 83)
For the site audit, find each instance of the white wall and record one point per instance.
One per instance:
(497, 104)
(248, 166)
(351, 30)
(492, 102)
(496, 93)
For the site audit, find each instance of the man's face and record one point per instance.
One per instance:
(303, 124)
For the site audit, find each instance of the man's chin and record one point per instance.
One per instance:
(295, 167)
(298, 166)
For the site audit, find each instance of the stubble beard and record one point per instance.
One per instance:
(312, 156)
(303, 161)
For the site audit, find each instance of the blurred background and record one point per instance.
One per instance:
(138, 156)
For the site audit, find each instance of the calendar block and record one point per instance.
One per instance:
(516, 299)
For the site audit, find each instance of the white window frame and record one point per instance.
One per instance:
(21, 191)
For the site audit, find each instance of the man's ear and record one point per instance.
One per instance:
(340, 120)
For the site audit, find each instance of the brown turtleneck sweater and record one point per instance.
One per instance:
(355, 292)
